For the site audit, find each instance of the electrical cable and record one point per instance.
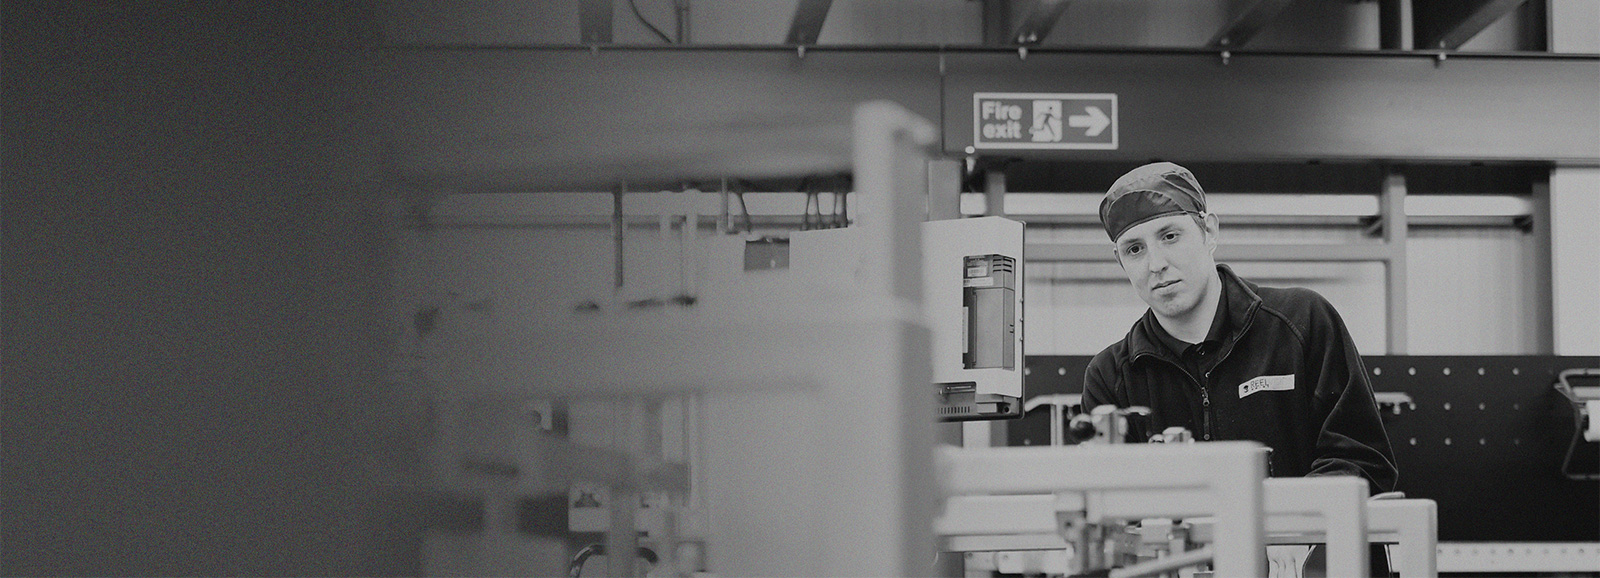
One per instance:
(635, 6)
(839, 210)
(744, 211)
(812, 199)
(844, 207)
(804, 188)
(575, 568)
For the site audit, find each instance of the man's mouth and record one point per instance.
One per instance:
(1158, 286)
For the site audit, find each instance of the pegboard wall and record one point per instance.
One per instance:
(1486, 439)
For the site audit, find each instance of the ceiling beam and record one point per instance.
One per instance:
(807, 22)
(1448, 24)
(553, 119)
(1038, 17)
(1312, 107)
(1244, 25)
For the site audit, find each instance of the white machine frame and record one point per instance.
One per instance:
(858, 361)
(1327, 510)
(1336, 511)
(1413, 526)
(1000, 507)
(986, 486)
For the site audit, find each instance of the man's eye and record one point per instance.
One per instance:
(1171, 236)
(1134, 249)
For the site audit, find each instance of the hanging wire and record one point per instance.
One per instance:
(839, 210)
(804, 188)
(662, 35)
(744, 211)
(843, 200)
(813, 199)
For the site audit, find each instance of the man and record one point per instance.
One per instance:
(1223, 357)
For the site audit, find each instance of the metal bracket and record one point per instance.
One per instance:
(1074, 527)
(1585, 401)
(1111, 423)
(1393, 401)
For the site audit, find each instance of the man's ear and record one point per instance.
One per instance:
(1115, 254)
(1213, 229)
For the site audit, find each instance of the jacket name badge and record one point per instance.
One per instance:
(1267, 383)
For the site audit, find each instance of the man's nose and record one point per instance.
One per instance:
(1156, 260)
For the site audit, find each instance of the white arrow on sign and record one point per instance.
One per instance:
(1096, 121)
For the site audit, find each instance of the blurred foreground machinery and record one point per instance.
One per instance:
(1501, 444)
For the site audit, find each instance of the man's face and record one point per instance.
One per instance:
(1169, 262)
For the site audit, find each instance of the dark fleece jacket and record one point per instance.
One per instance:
(1287, 376)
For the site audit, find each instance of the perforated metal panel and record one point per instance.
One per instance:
(1486, 441)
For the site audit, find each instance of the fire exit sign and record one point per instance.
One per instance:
(1044, 121)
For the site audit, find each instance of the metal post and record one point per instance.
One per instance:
(994, 192)
(1394, 24)
(944, 189)
(689, 257)
(1544, 270)
(1575, 303)
(880, 522)
(1239, 520)
(664, 222)
(617, 227)
(682, 7)
(725, 218)
(594, 21)
(1058, 434)
(1393, 214)
(622, 540)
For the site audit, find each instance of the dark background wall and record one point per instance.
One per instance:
(193, 283)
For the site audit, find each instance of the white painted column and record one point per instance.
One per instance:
(994, 192)
(981, 434)
(1575, 259)
(1574, 26)
(1575, 207)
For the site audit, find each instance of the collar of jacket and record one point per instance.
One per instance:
(1242, 304)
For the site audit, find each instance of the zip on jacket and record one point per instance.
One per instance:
(1303, 389)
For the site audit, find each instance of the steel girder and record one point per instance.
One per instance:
(559, 116)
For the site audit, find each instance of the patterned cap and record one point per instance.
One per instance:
(1151, 191)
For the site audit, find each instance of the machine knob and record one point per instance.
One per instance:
(1176, 434)
(1080, 429)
